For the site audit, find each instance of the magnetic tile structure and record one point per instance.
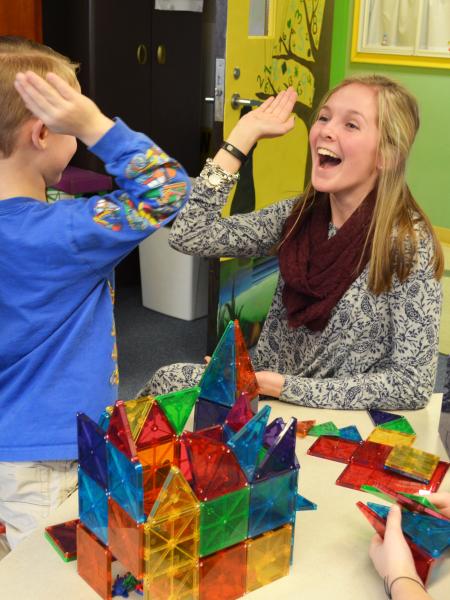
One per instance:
(191, 514)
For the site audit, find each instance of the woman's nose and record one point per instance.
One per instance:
(328, 130)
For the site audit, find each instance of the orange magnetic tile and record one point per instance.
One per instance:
(268, 557)
(158, 455)
(126, 539)
(178, 584)
(153, 481)
(391, 438)
(94, 562)
(223, 574)
(303, 427)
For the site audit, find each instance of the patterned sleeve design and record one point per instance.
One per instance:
(201, 230)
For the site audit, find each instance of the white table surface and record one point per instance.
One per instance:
(331, 543)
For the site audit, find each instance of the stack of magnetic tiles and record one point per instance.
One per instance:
(202, 514)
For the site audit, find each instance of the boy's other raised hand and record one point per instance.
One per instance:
(62, 108)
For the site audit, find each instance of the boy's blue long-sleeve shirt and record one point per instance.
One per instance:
(57, 338)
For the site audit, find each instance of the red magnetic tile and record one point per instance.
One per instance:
(94, 562)
(371, 454)
(223, 574)
(423, 561)
(64, 535)
(119, 432)
(354, 476)
(245, 374)
(333, 448)
(411, 504)
(215, 432)
(240, 413)
(156, 429)
(2, 529)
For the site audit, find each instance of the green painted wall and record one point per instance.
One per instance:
(429, 164)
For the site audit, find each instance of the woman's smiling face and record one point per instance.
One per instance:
(344, 143)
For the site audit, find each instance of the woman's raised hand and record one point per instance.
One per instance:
(274, 117)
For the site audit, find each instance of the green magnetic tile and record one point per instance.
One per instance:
(224, 521)
(423, 500)
(401, 424)
(370, 489)
(328, 428)
(177, 406)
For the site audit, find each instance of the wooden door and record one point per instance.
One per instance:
(21, 17)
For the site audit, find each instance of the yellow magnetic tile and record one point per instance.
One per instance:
(268, 557)
(178, 584)
(391, 438)
(137, 412)
(417, 463)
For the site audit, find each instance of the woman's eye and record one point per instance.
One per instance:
(323, 118)
(352, 126)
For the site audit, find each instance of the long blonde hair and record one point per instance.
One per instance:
(19, 54)
(395, 208)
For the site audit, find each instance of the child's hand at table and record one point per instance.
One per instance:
(62, 108)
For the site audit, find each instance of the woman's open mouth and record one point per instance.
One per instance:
(328, 158)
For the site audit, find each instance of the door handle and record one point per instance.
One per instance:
(142, 54)
(237, 101)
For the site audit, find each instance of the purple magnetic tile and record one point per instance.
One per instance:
(281, 456)
(273, 430)
(92, 449)
(380, 416)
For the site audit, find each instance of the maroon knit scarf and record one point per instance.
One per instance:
(317, 270)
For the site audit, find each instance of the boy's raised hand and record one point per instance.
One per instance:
(62, 108)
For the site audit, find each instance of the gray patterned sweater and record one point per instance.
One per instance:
(376, 351)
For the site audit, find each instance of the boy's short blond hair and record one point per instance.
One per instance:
(20, 55)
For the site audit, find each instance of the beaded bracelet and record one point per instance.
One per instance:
(388, 588)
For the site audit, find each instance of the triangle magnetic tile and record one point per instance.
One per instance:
(302, 503)
(218, 383)
(248, 441)
(273, 430)
(175, 497)
(155, 430)
(380, 416)
(216, 470)
(281, 456)
(328, 428)
(209, 413)
(422, 560)
(350, 433)
(240, 413)
(137, 411)
(303, 427)
(92, 449)
(119, 432)
(177, 406)
(411, 502)
(401, 424)
(245, 374)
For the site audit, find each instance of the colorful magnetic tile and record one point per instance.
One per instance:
(126, 539)
(223, 574)
(215, 432)
(125, 479)
(268, 557)
(177, 406)
(176, 497)
(214, 467)
(303, 427)
(391, 438)
(354, 476)
(401, 424)
(153, 481)
(412, 462)
(103, 421)
(158, 455)
(380, 416)
(422, 504)
(93, 506)
(156, 429)
(178, 584)
(281, 456)
(224, 521)
(209, 413)
(218, 383)
(119, 432)
(137, 411)
(94, 562)
(371, 454)
(350, 433)
(63, 538)
(328, 428)
(429, 533)
(302, 503)
(423, 562)
(273, 430)
(92, 449)
(333, 448)
(240, 413)
(272, 503)
(245, 374)
(248, 441)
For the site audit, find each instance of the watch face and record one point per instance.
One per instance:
(214, 178)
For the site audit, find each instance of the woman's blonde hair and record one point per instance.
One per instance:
(394, 241)
(19, 54)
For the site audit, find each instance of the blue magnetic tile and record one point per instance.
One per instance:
(380, 416)
(272, 503)
(125, 482)
(104, 419)
(92, 449)
(248, 441)
(350, 433)
(430, 533)
(281, 456)
(302, 503)
(218, 383)
(209, 413)
(93, 506)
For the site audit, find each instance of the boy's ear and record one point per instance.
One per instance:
(39, 135)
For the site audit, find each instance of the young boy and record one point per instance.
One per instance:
(57, 342)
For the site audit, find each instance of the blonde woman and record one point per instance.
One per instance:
(354, 320)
